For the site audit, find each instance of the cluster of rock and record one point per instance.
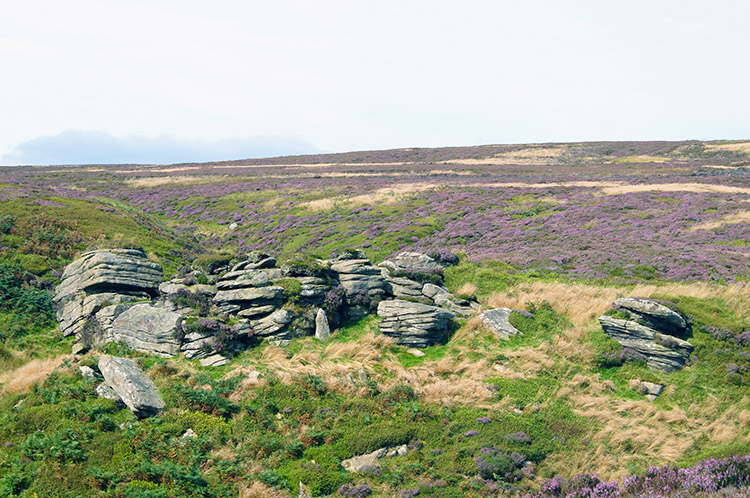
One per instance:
(104, 296)
(119, 295)
(651, 329)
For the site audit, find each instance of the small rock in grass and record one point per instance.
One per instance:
(415, 352)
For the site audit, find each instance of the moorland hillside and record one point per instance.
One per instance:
(324, 325)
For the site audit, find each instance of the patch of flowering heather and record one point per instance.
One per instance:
(530, 216)
(351, 491)
(408, 493)
(709, 478)
(492, 463)
(471, 433)
(518, 437)
(484, 420)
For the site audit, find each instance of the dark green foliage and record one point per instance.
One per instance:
(292, 289)
(210, 263)
(618, 313)
(303, 265)
(421, 276)
(207, 401)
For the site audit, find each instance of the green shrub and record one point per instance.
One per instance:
(204, 400)
(210, 263)
(292, 289)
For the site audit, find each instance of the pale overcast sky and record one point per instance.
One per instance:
(172, 81)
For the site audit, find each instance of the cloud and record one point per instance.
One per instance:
(94, 147)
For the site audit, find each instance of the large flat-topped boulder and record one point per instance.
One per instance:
(358, 266)
(654, 315)
(414, 324)
(147, 329)
(110, 270)
(248, 298)
(133, 386)
(662, 351)
(243, 278)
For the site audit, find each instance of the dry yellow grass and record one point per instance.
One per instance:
(581, 302)
(730, 219)
(259, 490)
(530, 155)
(155, 181)
(641, 159)
(467, 289)
(20, 380)
(676, 187)
(743, 147)
(388, 195)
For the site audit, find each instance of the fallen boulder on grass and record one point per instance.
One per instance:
(136, 390)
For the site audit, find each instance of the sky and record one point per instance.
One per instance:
(99, 81)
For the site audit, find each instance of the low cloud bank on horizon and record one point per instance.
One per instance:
(94, 147)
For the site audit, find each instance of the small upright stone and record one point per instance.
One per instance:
(322, 329)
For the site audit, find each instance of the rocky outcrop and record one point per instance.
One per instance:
(274, 327)
(147, 329)
(249, 301)
(662, 351)
(98, 287)
(654, 315)
(443, 298)
(313, 290)
(369, 461)
(118, 295)
(497, 320)
(359, 277)
(403, 288)
(110, 270)
(135, 389)
(414, 324)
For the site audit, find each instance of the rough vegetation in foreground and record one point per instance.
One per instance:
(479, 413)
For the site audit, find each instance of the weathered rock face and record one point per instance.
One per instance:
(663, 352)
(400, 288)
(413, 261)
(110, 270)
(98, 287)
(414, 324)
(249, 301)
(359, 277)
(135, 389)
(651, 390)
(497, 320)
(313, 290)
(147, 329)
(443, 298)
(654, 315)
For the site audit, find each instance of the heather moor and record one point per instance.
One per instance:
(538, 320)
